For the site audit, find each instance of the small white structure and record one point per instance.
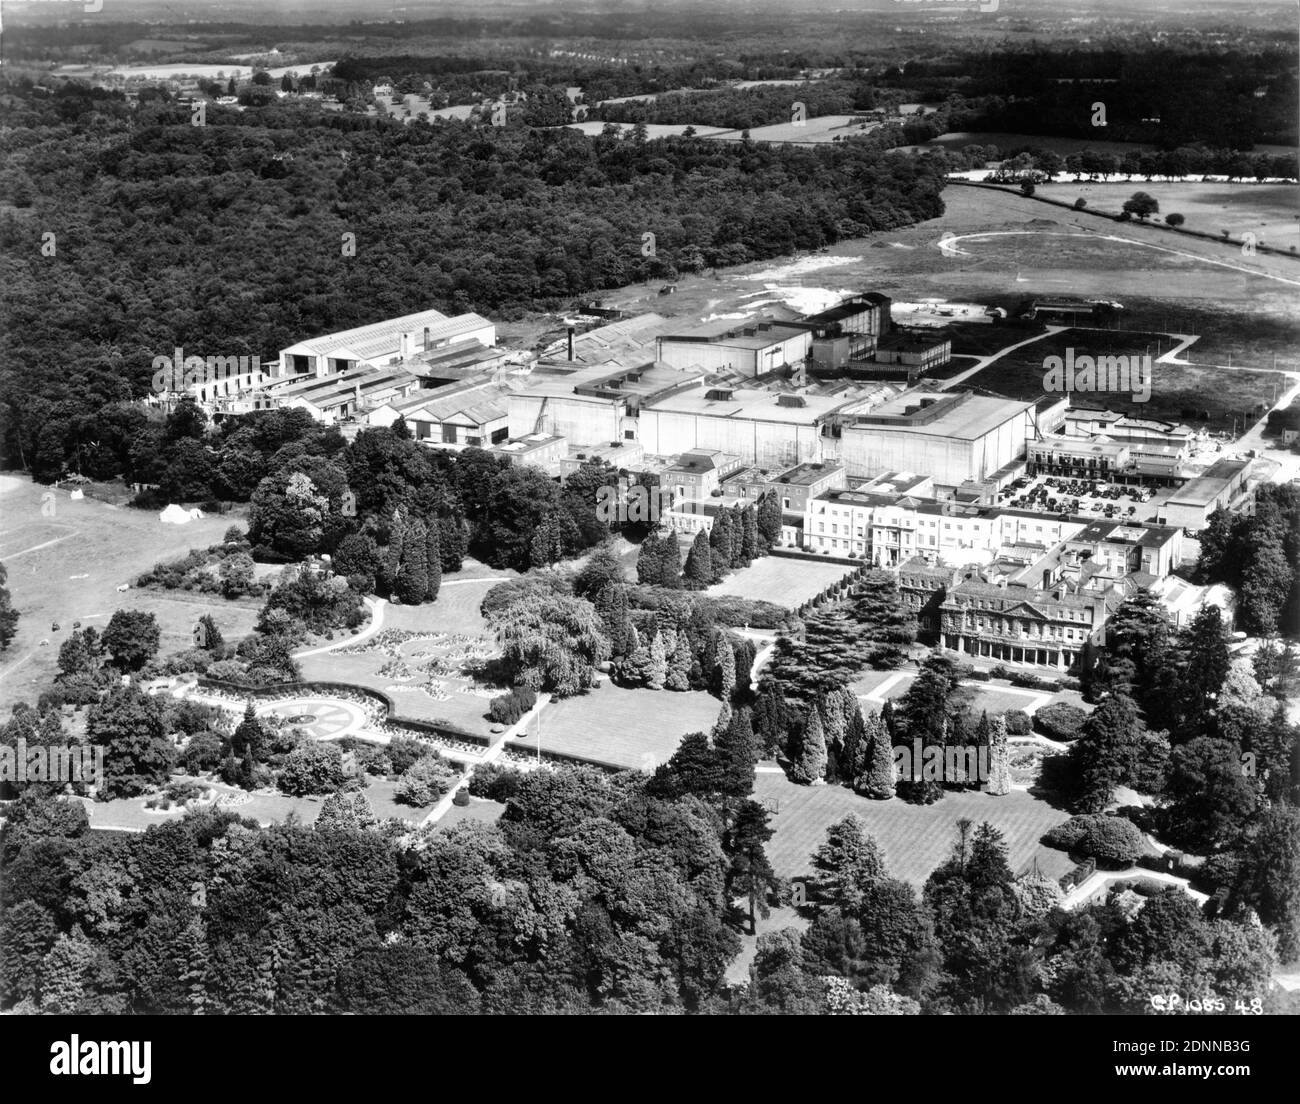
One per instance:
(178, 515)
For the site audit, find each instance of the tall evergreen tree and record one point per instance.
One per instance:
(811, 765)
(849, 861)
(432, 559)
(452, 542)
(679, 664)
(999, 783)
(737, 753)
(724, 664)
(698, 573)
(750, 545)
(879, 780)
(658, 668)
(412, 583)
(1205, 647)
(769, 518)
(720, 544)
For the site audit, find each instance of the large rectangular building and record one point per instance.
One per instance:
(1190, 507)
(749, 350)
(953, 437)
(383, 344)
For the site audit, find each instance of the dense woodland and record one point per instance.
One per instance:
(229, 238)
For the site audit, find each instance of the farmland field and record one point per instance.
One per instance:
(1270, 211)
(914, 838)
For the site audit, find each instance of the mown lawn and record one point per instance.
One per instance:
(914, 838)
(633, 729)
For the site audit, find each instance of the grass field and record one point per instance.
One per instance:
(914, 838)
(1269, 211)
(875, 687)
(1178, 391)
(130, 812)
(1006, 142)
(634, 729)
(784, 580)
(67, 567)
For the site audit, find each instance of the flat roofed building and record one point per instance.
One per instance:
(749, 350)
(950, 436)
(537, 450)
(1083, 457)
(1190, 507)
(793, 486)
(920, 352)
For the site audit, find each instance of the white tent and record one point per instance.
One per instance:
(178, 515)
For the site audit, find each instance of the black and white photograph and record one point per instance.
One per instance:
(539, 508)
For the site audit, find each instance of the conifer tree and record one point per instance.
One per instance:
(363, 812)
(679, 664)
(769, 518)
(811, 766)
(853, 759)
(412, 583)
(999, 764)
(720, 544)
(737, 753)
(657, 668)
(391, 563)
(723, 722)
(751, 547)
(670, 562)
(878, 781)
(698, 573)
(452, 542)
(724, 662)
(432, 559)
(648, 569)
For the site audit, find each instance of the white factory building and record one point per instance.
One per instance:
(384, 344)
(951, 436)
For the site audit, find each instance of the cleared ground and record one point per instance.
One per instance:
(67, 567)
(914, 838)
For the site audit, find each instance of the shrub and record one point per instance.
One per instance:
(507, 708)
(314, 768)
(1060, 721)
(461, 798)
(495, 781)
(1017, 722)
(202, 753)
(404, 752)
(1112, 841)
(425, 781)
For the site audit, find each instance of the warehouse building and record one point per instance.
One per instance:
(723, 347)
(951, 436)
(1191, 506)
(383, 344)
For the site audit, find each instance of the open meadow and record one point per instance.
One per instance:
(66, 563)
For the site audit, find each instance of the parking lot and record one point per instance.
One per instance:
(1083, 497)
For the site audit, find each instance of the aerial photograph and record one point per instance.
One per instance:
(651, 507)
